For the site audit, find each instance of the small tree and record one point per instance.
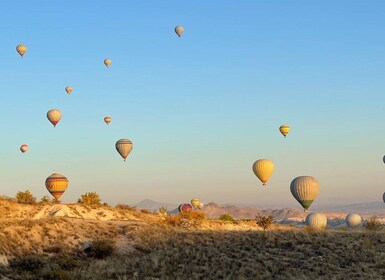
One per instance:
(45, 200)
(25, 198)
(373, 224)
(90, 198)
(264, 221)
(226, 218)
(163, 210)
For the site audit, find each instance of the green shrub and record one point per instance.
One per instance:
(226, 218)
(90, 198)
(373, 224)
(264, 221)
(25, 198)
(46, 200)
(163, 210)
(100, 249)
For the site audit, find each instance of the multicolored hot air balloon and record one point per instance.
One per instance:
(179, 30)
(353, 220)
(24, 148)
(107, 120)
(284, 129)
(54, 116)
(195, 202)
(124, 147)
(316, 221)
(107, 62)
(305, 189)
(21, 49)
(68, 89)
(185, 207)
(263, 169)
(56, 184)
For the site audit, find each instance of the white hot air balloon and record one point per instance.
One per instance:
(353, 220)
(124, 147)
(316, 221)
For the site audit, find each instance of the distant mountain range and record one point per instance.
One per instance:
(154, 205)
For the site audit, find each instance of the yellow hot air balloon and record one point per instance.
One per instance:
(68, 89)
(195, 202)
(179, 30)
(56, 184)
(24, 148)
(305, 189)
(124, 147)
(54, 116)
(107, 62)
(316, 221)
(21, 49)
(263, 169)
(353, 220)
(284, 129)
(107, 120)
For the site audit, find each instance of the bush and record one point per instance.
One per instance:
(100, 249)
(163, 210)
(90, 198)
(145, 211)
(25, 198)
(186, 219)
(226, 218)
(264, 221)
(31, 263)
(124, 207)
(373, 224)
(46, 200)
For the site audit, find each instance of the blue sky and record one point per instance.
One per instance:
(200, 109)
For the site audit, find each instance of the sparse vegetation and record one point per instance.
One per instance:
(25, 197)
(186, 219)
(373, 224)
(100, 249)
(226, 218)
(264, 222)
(145, 211)
(124, 207)
(90, 198)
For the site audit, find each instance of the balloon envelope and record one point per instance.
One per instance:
(68, 89)
(383, 197)
(316, 221)
(201, 205)
(124, 147)
(54, 116)
(21, 49)
(56, 184)
(107, 120)
(263, 169)
(284, 129)
(24, 148)
(353, 220)
(179, 30)
(305, 190)
(195, 202)
(185, 207)
(107, 62)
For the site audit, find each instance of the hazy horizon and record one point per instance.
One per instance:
(199, 109)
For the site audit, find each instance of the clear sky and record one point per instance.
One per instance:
(199, 109)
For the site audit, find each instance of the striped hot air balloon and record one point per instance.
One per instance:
(263, 169)
(54, 116)
(195, 202)
(21, 49)
(353, 220)
(284, 129)
(316, 221)
(185, 207)
(124, 147)
(24, 148)
(305, 189)
(107, 120)
(56, 184)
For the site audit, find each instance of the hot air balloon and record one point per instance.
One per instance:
(185, 207)
(316, 221)
(107, 62)
(284, 129)
(56, 184)
(201, 205)
(383, 159)
(305, 189)
(24, 148)
(107, 120)
(68, 89)
(263, 169)
(353, 220)
(383, 197)
(195, 202)
(124, 147)
(21, 49)
(54, 116)
(179, 30)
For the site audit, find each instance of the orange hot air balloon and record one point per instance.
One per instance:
(107, 120)
(24, 148)
(56, 184)
(54, 116)
(21, 49)
(68, 89)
